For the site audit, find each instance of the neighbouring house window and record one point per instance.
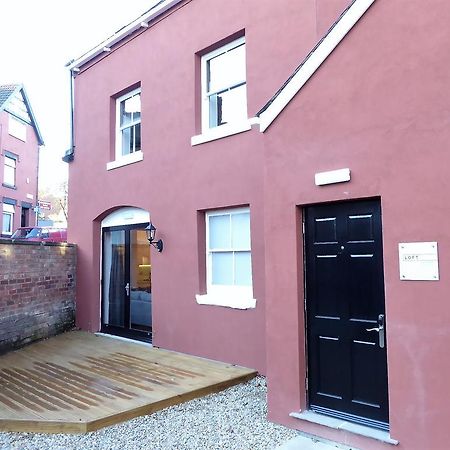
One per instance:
(17, 128)
(224, 89)
(228, 259)
(9, 171)
(128, 124)
(8, 219)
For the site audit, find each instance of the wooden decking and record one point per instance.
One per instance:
(79, 382)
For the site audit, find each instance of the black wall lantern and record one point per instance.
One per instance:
(151, 231)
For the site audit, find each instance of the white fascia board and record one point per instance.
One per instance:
(315, 59)
(124, 32)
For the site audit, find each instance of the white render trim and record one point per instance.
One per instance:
(126, 216)
(125, 160)
(332, 176)
(229, 301)
(314, 60)
(123, 33)
(221, 131)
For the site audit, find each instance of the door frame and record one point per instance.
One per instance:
(145, 336)
(306, 304)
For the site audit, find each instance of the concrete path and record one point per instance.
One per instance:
(307, 442)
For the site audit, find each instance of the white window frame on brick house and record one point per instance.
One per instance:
(9, 170)
(17, 128)
(134, 153)
(212, 95)
(8, 211)
(232, 241)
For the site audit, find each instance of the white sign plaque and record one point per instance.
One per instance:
(332, 176)
(418, 261)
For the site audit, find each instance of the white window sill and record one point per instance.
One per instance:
(237, 301)
(125, 160)
(222, 131)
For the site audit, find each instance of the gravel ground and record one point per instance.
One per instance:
(234, 419)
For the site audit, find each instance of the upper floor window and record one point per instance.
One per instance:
(17, 128)
(9, 171)
(128, 124)
(224, 89)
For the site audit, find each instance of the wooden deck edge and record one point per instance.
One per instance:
(66, 427)
(42, 426)
(172, 401)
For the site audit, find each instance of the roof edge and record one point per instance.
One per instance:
(33, 117)
(4, 107)
(18, 87)
(140, 23)
(348, 19)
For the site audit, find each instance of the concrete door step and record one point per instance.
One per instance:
(308, 442)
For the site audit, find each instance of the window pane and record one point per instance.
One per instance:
(240, 234)
(215, 111)
(9, 175)
(136, 107)
(127, 143)
(234, 105)
(219, 232)
(11, 162)
(222, 268)
(227, 69)
(229, 106)
(114, 278)
(137, 137)
(7, 223)
(243, 269)
(17, 128)
(125, 114)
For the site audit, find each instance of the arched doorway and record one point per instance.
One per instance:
(126, 275)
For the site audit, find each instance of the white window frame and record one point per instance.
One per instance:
(7, 156)
(17, 128)
(135, 155)
(8, 210)
(204, 84)
(232, 296)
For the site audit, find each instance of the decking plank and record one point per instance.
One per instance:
(79, 382)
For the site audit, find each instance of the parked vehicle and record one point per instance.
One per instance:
(40, 234)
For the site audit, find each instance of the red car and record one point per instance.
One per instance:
(40, 234)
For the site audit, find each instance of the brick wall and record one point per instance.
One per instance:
(37, 291)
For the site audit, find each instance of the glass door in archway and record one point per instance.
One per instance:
(126, 282)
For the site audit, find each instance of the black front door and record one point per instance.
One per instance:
(126, 282)
(347, 367)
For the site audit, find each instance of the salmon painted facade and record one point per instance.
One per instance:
(292, 158)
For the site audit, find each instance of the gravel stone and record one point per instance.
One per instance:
(234, 419)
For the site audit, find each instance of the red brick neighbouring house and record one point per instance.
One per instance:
(292, 156)
(20, 139)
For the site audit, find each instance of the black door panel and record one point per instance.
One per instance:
(345, 296)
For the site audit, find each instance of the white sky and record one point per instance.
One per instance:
(37, 39)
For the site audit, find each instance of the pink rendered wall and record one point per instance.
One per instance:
(176, 181)
(380, 106)
(26, 168)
